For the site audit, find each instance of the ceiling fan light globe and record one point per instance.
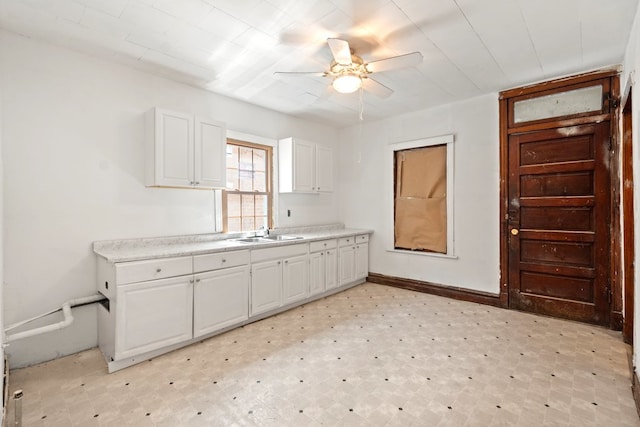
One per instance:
(347, 83)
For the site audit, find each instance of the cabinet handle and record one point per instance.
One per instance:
(321, 253)
(191, 183)
(197, 280)
(358, 247)
(191, 281)
(224, 260)
(328, 253)
(278, 262)
(197, 182)
(286, 262)
(158, 270)
(325, 245)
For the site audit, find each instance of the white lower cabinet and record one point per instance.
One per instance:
(317, 281)
(330, 269)
(322, 266)
(295, 279)
(154, 314)
(347, 259)
(266, 286)
(353, 258)
(362, 257)
(279, 276)
(220, 299)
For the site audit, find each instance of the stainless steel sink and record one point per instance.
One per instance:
(251, 240)
(279, 237)
(266, 239)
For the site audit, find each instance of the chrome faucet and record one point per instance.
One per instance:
(264, 231)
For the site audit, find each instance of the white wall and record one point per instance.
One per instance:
(630, 68)
(73, 161)
(366, 191)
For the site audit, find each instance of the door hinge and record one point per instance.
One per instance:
(613, 102)
(608, 292)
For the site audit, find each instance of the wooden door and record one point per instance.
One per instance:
(558, 222)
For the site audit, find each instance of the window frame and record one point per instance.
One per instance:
(270, 182)
(392, 148)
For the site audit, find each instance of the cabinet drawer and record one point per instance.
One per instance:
(347, 241)
(362, 238)
(141, 271)
(322, 245)
(286, 251)
(208, 262)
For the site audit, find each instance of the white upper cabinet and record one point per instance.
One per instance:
(305, 167)
(184, 151)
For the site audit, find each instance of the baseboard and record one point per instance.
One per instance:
(437, 289)
(616, 320)
(635, 390)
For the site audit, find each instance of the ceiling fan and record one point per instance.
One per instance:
(349, 72)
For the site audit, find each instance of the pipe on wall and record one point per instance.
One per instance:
(68, 318)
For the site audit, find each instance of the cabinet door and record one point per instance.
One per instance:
(173, 148)
(303, 166)
(362, 260)
(316, 273)
(324, 168)
(151, 315)
(266, 286)
(347, 265)
(220, 299)
(295, 278)
(210, 153)
(331, 269)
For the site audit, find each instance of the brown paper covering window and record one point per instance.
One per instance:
(421, 199)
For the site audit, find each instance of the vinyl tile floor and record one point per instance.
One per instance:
(372, 355)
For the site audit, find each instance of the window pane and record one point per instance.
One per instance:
(246, 158)
(260, 181)
(233, 205)
(232, 179)
(558, 104)
(259, 160)
(232, 156)
(247, 205)
(261, 206)
(248, 224)
(246, 180)
(233, 225)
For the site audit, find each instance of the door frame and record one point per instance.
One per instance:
(628, 215)
(608, 113)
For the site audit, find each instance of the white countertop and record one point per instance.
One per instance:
(162, 247)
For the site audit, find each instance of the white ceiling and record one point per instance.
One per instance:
(233, 47)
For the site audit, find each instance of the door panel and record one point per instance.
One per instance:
(558, 222)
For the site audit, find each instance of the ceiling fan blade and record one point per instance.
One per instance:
(376, 88)
(340, 50)
(300, 73)
(401, 61)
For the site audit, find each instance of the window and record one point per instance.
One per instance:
(421, 199)
(246, 201)
(422, 196)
